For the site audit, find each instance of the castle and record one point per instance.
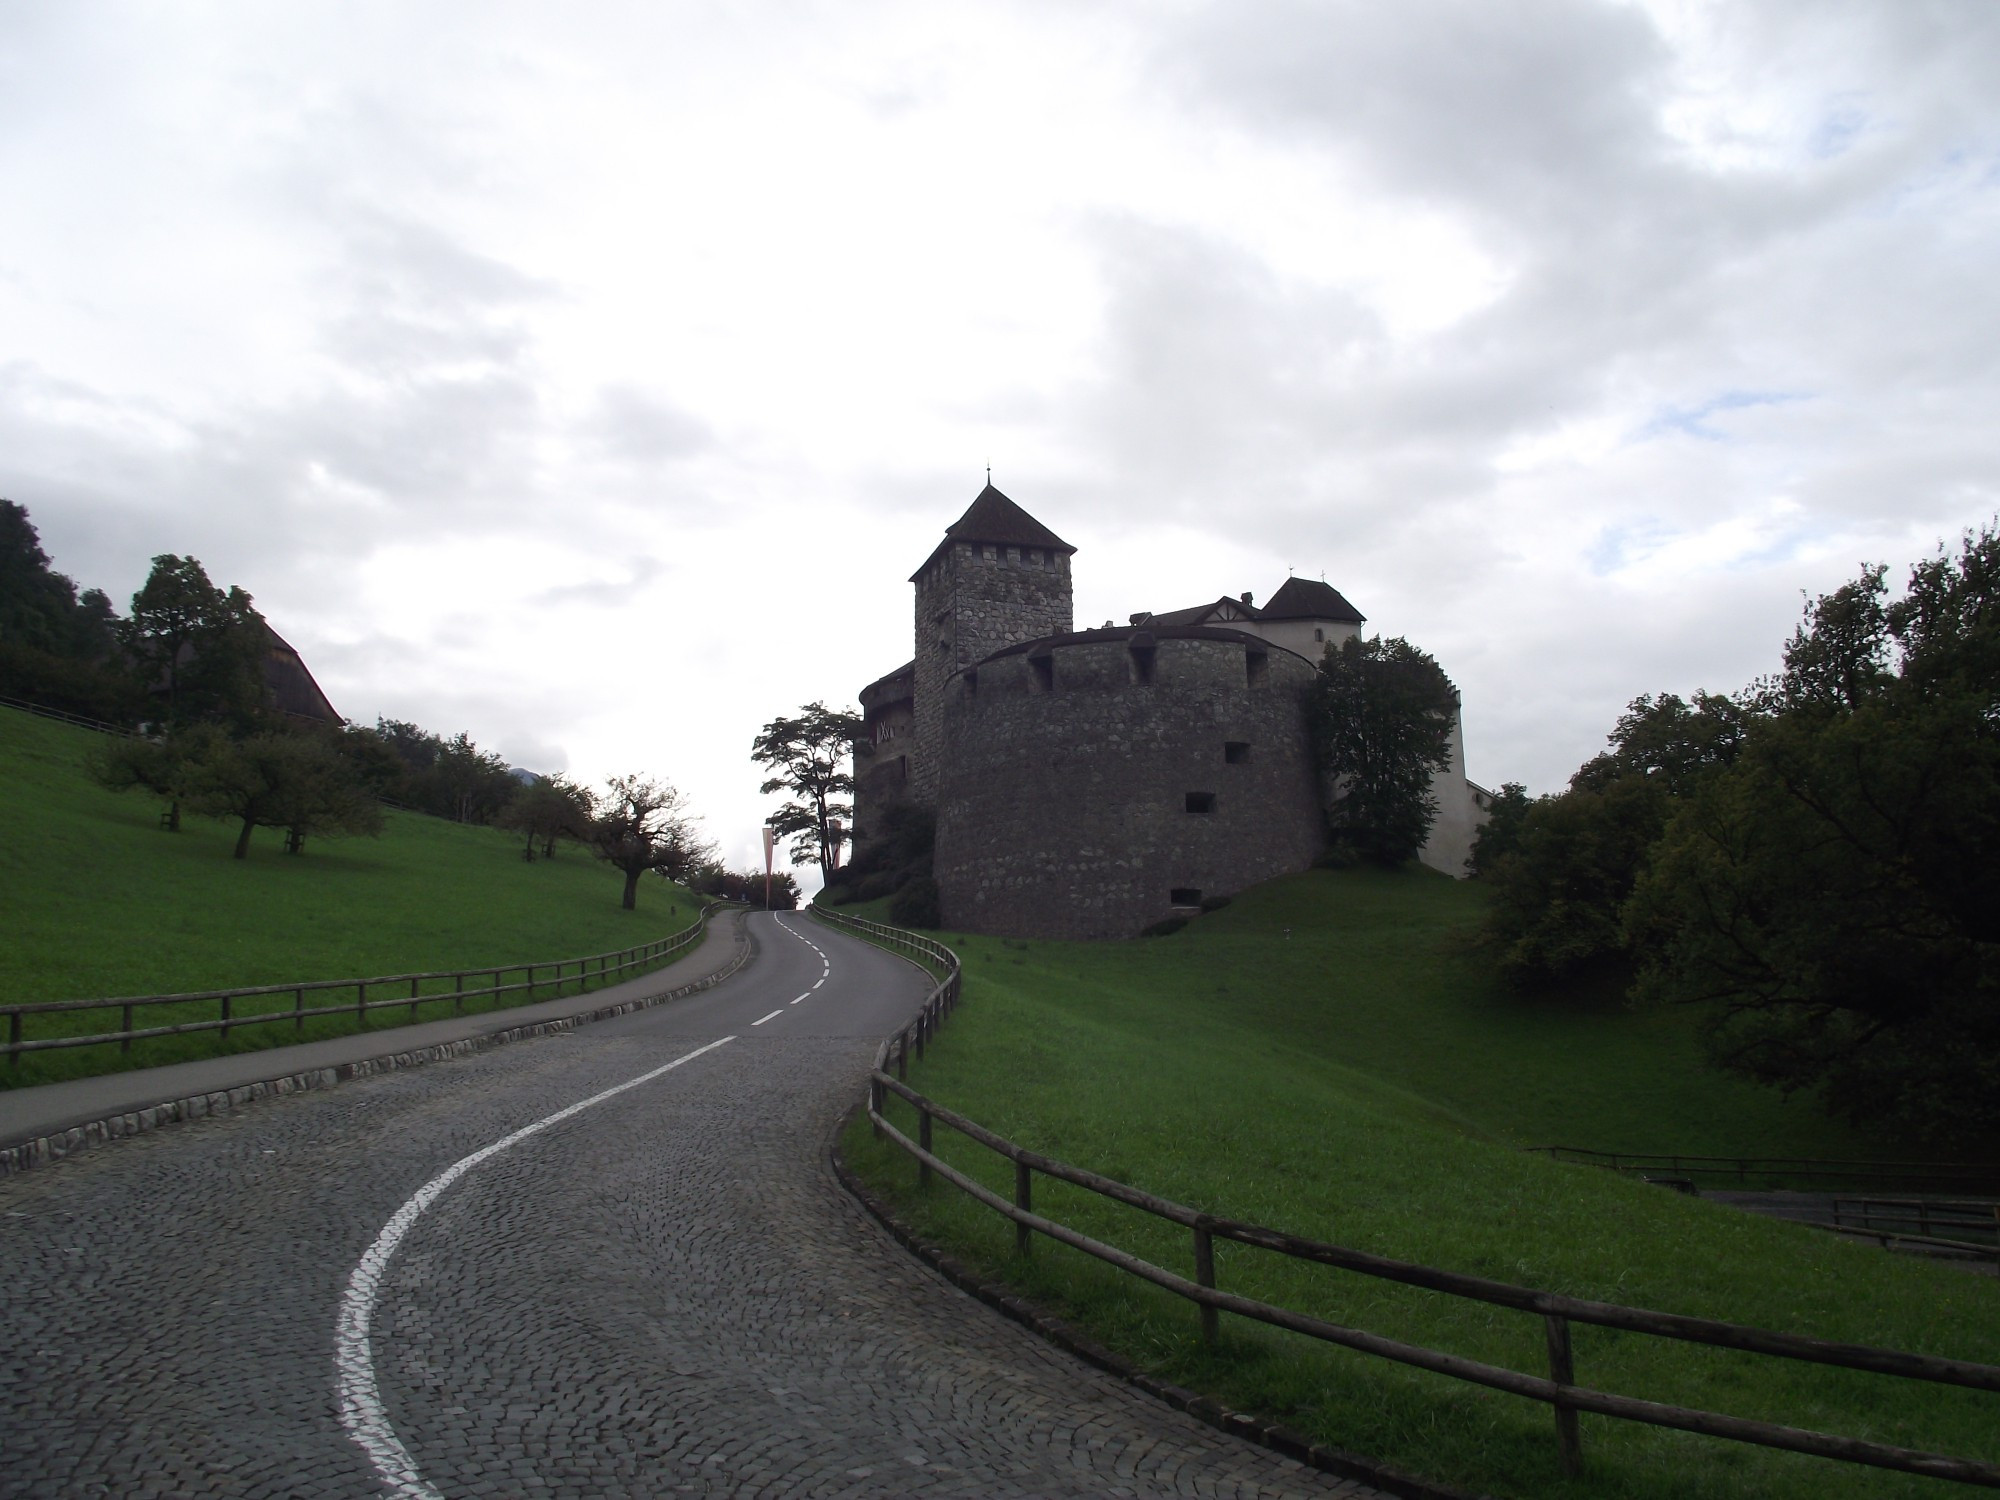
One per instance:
(1087, 784)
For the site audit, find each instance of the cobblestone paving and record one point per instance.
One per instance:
(665, 1294)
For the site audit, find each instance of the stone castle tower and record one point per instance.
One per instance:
(999, 577)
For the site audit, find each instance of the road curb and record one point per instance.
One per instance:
(1006, 1301)
(46, 1150)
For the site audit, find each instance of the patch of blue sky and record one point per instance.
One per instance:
(1693, 421)
(1618, 547)
(1837, 129)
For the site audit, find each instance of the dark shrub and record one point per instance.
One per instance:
(916, 904)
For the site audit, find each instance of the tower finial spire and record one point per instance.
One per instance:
(989, 474)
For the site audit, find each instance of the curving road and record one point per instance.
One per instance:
(610, 1262)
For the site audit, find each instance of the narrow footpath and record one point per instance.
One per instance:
(611, 1261)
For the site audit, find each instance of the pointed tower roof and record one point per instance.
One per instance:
(1308, 599)
(992, 517)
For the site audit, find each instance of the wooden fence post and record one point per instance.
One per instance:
(299, 1008)
(875, 1103)
(1024, 1199)
(923, 1140)
(225, 1018)
(1569, 1442)
(125, 1025)
(458, 994)
(903, 1055)
(1204, 1275)
(361, 1000)
(413, 997)
(14, 1037)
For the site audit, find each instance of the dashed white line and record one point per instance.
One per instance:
(361, 1411)
(774, 1014)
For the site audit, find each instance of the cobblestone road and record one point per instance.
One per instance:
(664, 1293)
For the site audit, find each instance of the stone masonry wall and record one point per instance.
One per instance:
(1063, 810)
(973, 599)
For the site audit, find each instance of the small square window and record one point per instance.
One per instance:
(1201, 802)
(1184, 895)
(1235, 752)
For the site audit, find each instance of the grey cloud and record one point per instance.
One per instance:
(632, 426)
(602, 593)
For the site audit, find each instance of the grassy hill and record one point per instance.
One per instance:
(100, 901)
(1330, 1055)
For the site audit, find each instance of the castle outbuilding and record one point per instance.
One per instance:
(1086, 784)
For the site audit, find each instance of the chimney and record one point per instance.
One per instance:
(1246, 596)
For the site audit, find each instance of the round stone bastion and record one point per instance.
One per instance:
(1094, 783)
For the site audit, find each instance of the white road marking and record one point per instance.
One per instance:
(816, 984)
(361, 1410)
(774, 1014)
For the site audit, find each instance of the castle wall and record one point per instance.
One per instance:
(974, 598)
(882, 771)
(1462, 809)
(1309, 638)
(1063, 810)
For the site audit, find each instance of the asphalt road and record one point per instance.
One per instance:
(610, 1262)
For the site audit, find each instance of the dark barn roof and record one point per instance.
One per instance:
(992, 517)
(1305, 599)
(293, 691)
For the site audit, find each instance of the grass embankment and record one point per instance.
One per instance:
(1365, 1080)
(99, 901)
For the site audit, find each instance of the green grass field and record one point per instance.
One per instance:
(100, 901)
(1365, 1080)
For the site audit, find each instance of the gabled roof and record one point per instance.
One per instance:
(290, 682)
(1225, 608)
(992, 517)
(1305, 599)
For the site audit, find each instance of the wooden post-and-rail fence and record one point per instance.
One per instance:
(526, 982)
(1558, 1389)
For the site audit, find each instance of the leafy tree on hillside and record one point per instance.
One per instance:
(200, 647)
(731, 885)
(809, 756)
(1382, 713)
(1563, 867)
(448, 778)
(644, 825)
(57, 647)
(307, 782)
(290, 779)
(547, 809)
(1834, 896)
(157, 765)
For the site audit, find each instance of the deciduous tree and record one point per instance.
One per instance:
(201, 647)
(547, 809)
(642, 825)
(809, 756)
(1382, 713)
(1834, 896)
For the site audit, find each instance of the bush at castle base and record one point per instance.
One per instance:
(916, 904)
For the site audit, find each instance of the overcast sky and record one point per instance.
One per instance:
(591, 380)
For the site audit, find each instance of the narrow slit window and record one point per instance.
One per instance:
(1184, 895)
(1235, 752)
(1142, 665)
(1255, 664)
(1042, 671)
(1201, 802)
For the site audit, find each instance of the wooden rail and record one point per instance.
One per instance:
(1781, 1171)
(1558, 1389)
(409, 990)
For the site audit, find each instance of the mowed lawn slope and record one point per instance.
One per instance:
(99, 901)
(1363, 1079)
